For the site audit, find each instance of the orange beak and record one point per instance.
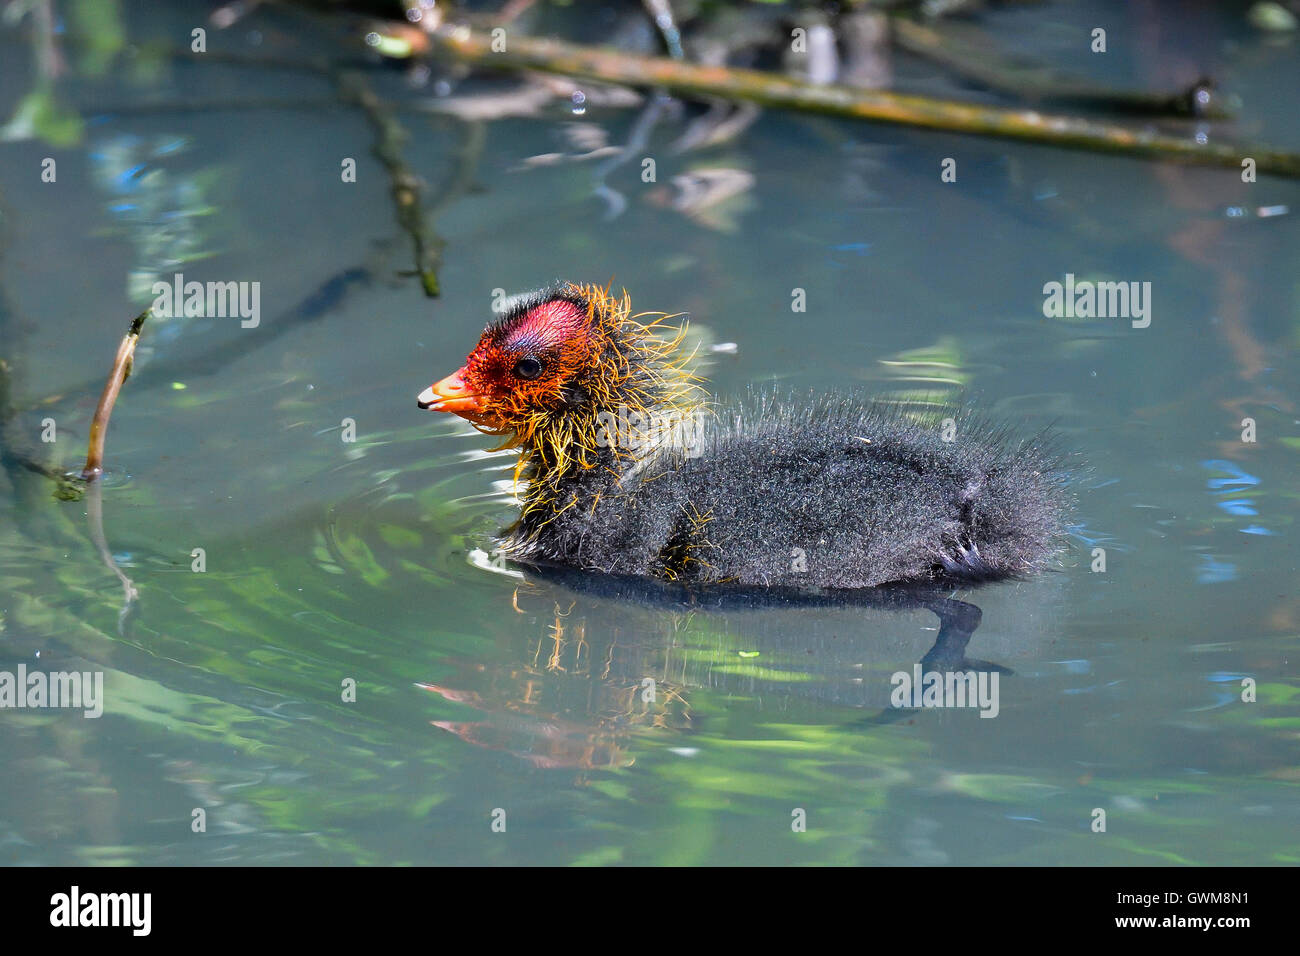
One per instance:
(451, 395)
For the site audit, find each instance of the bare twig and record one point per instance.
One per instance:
(99, 424)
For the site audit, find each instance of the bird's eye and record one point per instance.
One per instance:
(528, 367)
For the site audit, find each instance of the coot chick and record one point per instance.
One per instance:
(630, 471)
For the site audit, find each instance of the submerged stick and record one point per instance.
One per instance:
(1074, 132)
(99, 424)
(95, 463)
(405, 186)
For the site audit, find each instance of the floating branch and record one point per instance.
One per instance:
(99, 424)
(616, 66)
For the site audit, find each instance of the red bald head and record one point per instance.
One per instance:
(523, 363)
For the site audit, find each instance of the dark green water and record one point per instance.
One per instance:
(329, 561)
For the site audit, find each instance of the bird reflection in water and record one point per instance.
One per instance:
(614, 659)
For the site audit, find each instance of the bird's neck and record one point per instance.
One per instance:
(637, 404)
(615, 434)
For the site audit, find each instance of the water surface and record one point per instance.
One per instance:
(478, 689)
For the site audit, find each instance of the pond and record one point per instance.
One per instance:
(324, 663)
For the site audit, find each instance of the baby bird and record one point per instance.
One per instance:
(630, 471)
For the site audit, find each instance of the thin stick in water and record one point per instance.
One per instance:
(99, 424)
